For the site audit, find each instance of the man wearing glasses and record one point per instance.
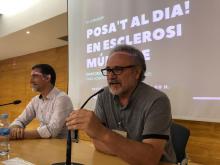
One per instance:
(50, 108)
(132, 119)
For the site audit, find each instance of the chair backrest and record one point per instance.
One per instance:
(180, 136)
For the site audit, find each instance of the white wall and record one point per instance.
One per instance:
(39, 11)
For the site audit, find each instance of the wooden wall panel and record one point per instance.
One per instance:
(204, 142)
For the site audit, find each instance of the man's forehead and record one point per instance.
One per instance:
(119, 58)
(36, 72)
(120, 53)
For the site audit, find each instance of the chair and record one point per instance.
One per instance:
(180, 136)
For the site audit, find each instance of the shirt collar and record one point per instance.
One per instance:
(135, 92)
(50, 95)
(133, 95)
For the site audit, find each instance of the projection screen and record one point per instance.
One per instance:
(179, 39)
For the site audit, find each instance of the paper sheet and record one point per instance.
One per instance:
(16, 161)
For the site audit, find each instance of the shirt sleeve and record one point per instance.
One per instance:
(26, 116)
(158, 120)
(62, 107)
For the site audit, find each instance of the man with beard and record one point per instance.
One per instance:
(132, 119)
(50, 108)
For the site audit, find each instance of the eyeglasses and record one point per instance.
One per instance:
(116, 70)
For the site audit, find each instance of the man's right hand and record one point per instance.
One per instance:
(16, 132)
(87, 121)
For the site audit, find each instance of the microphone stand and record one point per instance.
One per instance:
(5, 104)
(14, 102)
(75, 138)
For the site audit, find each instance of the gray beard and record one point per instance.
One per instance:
(114, 92)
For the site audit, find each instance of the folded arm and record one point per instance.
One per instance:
(149, 151)
(17, 132)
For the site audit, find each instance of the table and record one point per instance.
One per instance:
(48, 151)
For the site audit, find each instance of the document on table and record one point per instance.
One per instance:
(16, 161)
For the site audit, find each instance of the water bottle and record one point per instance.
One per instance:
(4, 135)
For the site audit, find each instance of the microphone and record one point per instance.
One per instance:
(17, 102)
(14, 102)
(75, 138)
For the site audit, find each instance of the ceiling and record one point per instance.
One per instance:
(43, 36)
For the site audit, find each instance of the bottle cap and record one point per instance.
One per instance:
(4, 116)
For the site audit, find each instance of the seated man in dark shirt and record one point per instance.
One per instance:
(138, 112)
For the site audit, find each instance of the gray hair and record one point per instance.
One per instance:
(134, 52)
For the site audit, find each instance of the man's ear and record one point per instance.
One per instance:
(138, 72)
(47, 77)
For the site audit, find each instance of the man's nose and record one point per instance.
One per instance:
(31, 80)
(111, 75)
